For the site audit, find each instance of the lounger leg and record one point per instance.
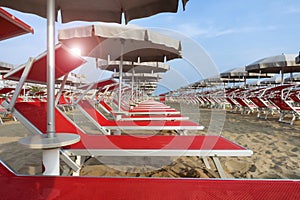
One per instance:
(78, 162)
(181, 132)
(258, 113)
(267, 113)
(219, 167)
(281, 115)
(117, 132)
(206, 163)
(71, 164)
(293, 119)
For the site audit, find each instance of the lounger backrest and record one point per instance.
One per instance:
(294, 95)
(281, 104)
(88, 107)
(258, 102)
(105, 105)
(36, 113)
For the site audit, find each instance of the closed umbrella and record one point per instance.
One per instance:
(121, 42)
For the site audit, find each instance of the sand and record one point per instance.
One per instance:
(275, 145)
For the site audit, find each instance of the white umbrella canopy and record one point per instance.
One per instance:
(139, 76)
(105, 41)
(284, 63)
(96, 10)
(240, 72)
(133, 67)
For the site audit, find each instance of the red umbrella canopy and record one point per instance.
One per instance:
(10, 26)
(96, 10)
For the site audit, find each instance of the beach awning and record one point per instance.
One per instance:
(10, 26)
(65, 62)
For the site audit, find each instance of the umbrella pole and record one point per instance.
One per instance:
(50, 68)
(132, 85)
(50, 143)
(120, 75)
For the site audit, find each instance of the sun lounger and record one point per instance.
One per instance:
(100, 120)
(277, 96)
(256, 97)
(113, 145)
(65, 188)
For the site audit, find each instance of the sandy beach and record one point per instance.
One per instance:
(275, 145)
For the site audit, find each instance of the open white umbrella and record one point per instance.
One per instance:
(96, 10)
(284, 63)
(88, 10)
(121, 42)
(133, 68)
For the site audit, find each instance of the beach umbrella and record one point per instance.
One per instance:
(10, 26)
(241, 75)
(271, 81)
(284, 63)
(294, 78)
(133, 67)
(89, 10)
(297, 59)
(141, 77)
(121, 42)
(96, 10)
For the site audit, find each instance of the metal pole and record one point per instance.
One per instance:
(50, 68)
(120, 74)
(132, 83)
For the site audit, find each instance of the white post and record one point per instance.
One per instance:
(51, 161)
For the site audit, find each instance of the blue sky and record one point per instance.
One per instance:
(232, 33)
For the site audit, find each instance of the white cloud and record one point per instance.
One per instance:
(194, 30)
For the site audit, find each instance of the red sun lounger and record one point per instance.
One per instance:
(97, 117)
(65, 188)
(115, 145)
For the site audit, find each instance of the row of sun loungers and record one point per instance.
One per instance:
(283, 99)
